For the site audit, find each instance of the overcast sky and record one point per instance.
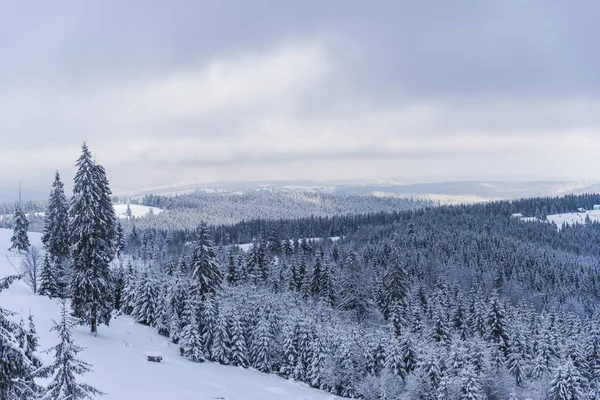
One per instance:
(174, 92)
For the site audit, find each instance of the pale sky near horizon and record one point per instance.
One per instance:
(181, 92)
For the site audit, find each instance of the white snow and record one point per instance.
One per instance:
(137, 210)
(568, 218)
(573, 218)
(119, 360)
(246, 246)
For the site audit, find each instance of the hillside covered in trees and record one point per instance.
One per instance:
(453, 302)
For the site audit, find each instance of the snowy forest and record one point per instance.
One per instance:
(367, 298)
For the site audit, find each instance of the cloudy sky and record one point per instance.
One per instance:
(179, 92)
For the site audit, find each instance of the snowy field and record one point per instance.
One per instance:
(137, 210)
(573, 218)
(246, 246)
(118, 355)
(568, 218)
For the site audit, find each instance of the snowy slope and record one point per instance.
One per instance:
(568, 218)
(136, 209)
(118, 355)
(573, 218)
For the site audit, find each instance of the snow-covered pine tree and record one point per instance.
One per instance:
(146, 300)
(290, 351)
(516, 362)
(394, 288)
(317, 368)
(496, 325)
(66, 366)
(20, 239)
(220, 350)
(48, 280)
(32, 343)
(120, 240)
(19, 364)
(190, 341)
(232, 273)
(129, 294)
(205, 265)
(239, 350)
(92, 229)
(410, 358)
(394, 362)
(260, 348)
(209, 313)
(317, 277)
(592, 357)
(327, 285)
(566, 384)
(355, 293)
(470, 388)
(56, 234)
(177, 294)
(162, 318)
(347, 370)
(375, 355)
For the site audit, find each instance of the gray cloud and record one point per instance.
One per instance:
(189, 91)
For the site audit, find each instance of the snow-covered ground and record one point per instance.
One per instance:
(568, 218)
(573, 218)
(246, 246)
(137, 210)
(118, 356)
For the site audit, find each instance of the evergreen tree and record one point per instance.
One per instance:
(92, 228)
(221, 352)
(497, 330)
(66, 366)
(327, 285)
(395, 289)
(470, 388)
(409, 353)
(394, 362)
(162, 320)
(316, 279)
(205, 266)
(239, 352)
(566, 384)
(260, 349)
(56, 232)
(120, 240)
(19, 364)
(190, 341)
(317, 369)
(118, 282)
(20, 239)
(290, 352)
(48, 280)
(208, 321)
(232, 273)
(146, 301)
(516, 359)
(592, 352)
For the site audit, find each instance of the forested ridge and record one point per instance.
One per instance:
(452, 302)
(442, 302)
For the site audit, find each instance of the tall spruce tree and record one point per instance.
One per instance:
(19, 364)
(205, 265)
(92, 228)
(48, 279)
(190, 342)
(20, 239)
(56, 234)
(66, 366)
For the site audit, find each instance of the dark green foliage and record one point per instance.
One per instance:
(92, 229)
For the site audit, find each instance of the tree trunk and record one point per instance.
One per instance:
(94, 319)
